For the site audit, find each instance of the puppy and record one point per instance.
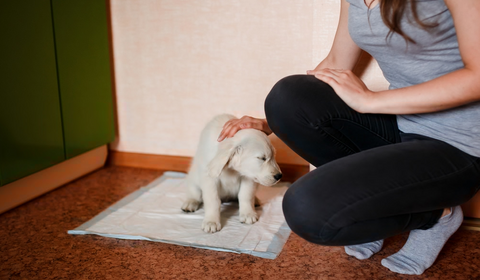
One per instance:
(229, 170)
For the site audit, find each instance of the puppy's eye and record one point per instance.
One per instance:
(262, 158)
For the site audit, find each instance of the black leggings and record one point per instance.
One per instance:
(371, 180)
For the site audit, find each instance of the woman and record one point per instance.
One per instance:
(391, 161)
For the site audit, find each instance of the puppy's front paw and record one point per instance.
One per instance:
(191, 205)
(249, 217)
(210, 226)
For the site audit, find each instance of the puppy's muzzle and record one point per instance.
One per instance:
(277, 176)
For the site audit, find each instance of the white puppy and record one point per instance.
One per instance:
(229, 170)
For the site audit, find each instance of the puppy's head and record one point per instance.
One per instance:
(251, 154)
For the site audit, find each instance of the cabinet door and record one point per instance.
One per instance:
(83, 57)
(31, 136)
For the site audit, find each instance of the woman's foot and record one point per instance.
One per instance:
(365, 250)
(423, 246)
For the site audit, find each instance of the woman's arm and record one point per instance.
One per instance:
(344, 53)
(451, 90)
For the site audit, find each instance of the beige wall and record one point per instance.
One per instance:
(178, 63)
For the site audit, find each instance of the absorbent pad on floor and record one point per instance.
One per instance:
(154, 213)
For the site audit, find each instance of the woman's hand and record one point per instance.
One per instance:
(232, 126)
(348, 86)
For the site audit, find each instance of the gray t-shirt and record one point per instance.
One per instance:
(435, 54)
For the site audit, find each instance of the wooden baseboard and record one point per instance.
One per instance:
(291, 172)
(27, 188)
(149, 161)
(472, 207)
(471, 224)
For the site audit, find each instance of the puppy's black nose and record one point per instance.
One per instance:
(277, 176)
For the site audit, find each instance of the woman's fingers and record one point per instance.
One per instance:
(329, 79)
(326, 71)
(231, 127)
(350, 88)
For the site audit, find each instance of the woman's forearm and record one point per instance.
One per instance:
(451, 90)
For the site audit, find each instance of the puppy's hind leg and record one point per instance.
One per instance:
(194, 198)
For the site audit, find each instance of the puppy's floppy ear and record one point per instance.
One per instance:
(226, 150)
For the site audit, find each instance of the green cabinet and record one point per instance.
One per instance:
(81, 38)
(55, 83)
(31, 135)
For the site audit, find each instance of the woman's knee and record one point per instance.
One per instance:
(304, 215)
(298, 95)
(288, 91)
(281, 98)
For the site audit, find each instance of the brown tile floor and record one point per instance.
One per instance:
(34, 244)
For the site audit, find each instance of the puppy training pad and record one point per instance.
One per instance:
(153, 213)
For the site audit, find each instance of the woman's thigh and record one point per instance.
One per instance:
(312, 120)
(381, 192)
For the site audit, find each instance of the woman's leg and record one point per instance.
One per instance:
(380, 192)
(363, 189)
(310, 118)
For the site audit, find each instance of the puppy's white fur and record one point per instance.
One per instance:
(227, 170)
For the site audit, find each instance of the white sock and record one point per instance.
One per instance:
(423, 246)
(365, 250)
